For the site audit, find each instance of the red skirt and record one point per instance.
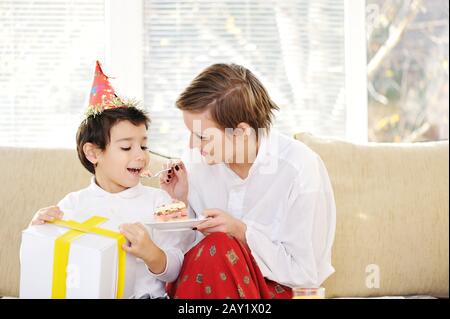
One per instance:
(221, 267)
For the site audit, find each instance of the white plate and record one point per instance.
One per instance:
(175, 226)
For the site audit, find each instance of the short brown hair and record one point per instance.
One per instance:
(97, 129)
(232, 94)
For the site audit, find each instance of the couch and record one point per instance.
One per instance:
(392, 233)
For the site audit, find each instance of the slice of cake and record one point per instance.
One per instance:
(175, 211)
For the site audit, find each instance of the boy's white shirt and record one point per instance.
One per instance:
(135, 204)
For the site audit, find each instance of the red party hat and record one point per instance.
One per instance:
(102, 96)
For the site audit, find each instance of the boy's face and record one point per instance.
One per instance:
(124, 158)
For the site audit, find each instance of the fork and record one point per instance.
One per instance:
(156, 174)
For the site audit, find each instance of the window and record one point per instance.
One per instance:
(310, 55)
(47, 53)
(296, 48)
(408, 76)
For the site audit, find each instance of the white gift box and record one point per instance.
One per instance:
(92, 268)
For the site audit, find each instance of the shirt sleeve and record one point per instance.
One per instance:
(192, 160)
(298, 252)
(174, 245)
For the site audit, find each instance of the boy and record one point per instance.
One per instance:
(112, 145)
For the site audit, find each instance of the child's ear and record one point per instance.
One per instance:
(92, 152)
(245, 129)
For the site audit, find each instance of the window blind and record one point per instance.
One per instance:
(295, 47)
(48, 50)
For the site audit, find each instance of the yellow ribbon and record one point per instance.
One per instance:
(62, 248)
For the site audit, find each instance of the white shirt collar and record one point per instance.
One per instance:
(263, 151)
(128, 193)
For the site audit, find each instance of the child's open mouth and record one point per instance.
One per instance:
(135, 171)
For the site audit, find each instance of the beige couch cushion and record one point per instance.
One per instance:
(31, 179)
(392, 212)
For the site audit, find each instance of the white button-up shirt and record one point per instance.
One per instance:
(286, 202)
(135, 204)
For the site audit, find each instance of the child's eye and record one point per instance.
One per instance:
(144, 148)
(126, 148)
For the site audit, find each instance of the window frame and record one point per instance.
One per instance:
(124, 47)
(357, 121)
(124, 58)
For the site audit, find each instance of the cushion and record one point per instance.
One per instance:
(392, 232)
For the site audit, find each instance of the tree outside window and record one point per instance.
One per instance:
(408, 76)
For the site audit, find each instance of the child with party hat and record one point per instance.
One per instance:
(112, 145)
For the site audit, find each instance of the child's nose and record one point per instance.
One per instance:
(141, 154)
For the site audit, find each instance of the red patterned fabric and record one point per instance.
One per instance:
(222, 267)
